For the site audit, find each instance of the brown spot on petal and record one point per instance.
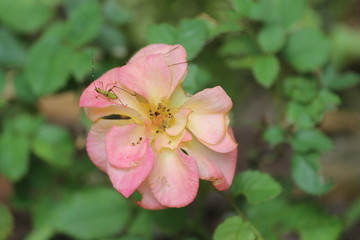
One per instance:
(215, 181)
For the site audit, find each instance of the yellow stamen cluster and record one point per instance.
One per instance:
(161, 117)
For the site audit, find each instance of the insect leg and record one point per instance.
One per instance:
(173, 49)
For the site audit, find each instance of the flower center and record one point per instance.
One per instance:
(161, 117)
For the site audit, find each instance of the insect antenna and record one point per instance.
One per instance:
(177, 63)
(173, 49)
(132, 94)
(92, 65)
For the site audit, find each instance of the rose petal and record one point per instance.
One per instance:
(128, 115)
(174, 179)
(175, 58)
(179, 123)
(172, 142)
(95, 144)
(210, 100)
(209, 128)
(126, 181)
(91, 98)
(149, 76)
(125, 145)
(213, 166)
(179, 97)
(207, 121)
(227, 144)
(148, 200)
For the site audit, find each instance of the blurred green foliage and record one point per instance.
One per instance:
(288, 48)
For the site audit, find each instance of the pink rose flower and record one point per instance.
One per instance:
(149, 135)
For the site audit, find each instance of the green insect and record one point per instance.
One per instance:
(110, 94)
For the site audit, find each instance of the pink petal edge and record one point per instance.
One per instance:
(174, 179)
(125, 145)
(219, 168)
(126, 181)
(148, 200)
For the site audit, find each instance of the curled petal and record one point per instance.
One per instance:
(209, 128)
(180, 120)
(95, 144)
(226, 144)
(174, 179)
(125, 145)
(209, 121)
(219, 168)
(126, 181)
(171, 142)
(148, 200)
(211, 100)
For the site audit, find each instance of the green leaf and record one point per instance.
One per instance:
(6, 222)
(26, 15)
(305, 116)
(162, 33)
(271, 38)
(54, 145)
(196, 79)
(12, 51)
(305, 172)
(307, 50)
(305, 141)
(335, 81)
(256, 186)
(23, 90)
(192, 35)
(48, 64)
(130, 237)
(352, 214)
(92, 214)
(234, 228)
(81, 64)
(116, 12)
(346, 81)
(84, 23)
(311, 222)
(329, 99)
(292, 11)
(266, 69)
(300, 89)
(249, 8)
(274, 135)
(23, 124)
(142, 225)
(345, 48)
(273, 227)
(112, 40)
(44, 233)
(14, 159)
(171, 220)
(240, 46)
(2, 81)
(304, 219)
(229, 25)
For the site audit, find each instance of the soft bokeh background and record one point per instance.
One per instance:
(291, 67)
